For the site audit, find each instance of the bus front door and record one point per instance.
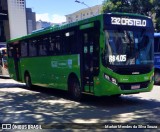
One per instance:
(89, 53)
(16, 55)
(90, 57)
(87, 63)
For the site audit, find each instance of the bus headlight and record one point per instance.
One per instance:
(114, 81)
(110, 79)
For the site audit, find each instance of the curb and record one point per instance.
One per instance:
(5, 77)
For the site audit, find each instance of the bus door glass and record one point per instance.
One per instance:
(90, 51)
(88, 59)
(16, 59)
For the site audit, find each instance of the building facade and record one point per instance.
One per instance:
(84, 13)
(4, 23)
(31, 20)
(17, 18)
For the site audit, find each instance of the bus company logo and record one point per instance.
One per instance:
(129, 22)
(6, 126)
(54, 63)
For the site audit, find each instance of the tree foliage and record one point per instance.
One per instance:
(145, 7)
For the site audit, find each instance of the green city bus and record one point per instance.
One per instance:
(106, 55)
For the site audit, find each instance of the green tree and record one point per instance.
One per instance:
(149, 8)
(115, 6)
(157, 16)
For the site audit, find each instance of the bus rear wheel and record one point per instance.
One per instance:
(117, 96)
(75, 89)
(28, 81)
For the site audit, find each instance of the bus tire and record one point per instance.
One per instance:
(157, 78)
(75, 89)
(28, 81)
(117, 96)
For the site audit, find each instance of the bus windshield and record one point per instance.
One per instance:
(128, 47)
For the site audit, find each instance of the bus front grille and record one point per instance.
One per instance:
(134, 86)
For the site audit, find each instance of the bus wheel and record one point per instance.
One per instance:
(75, 89)
(157, 78)
(117, 96)
(28, 81)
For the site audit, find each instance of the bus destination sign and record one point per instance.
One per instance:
(128, 22)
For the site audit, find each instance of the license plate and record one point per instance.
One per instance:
(135, 87)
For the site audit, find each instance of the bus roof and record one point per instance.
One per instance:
(156, 34)
(65, 26)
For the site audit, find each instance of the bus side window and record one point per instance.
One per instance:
(51, 45)
(24, 47)
(58, 44)
(33, 48)
(42, 43)
(67, 42)
(55, 44)
(70, 41)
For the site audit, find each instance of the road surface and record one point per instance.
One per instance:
(45, 106)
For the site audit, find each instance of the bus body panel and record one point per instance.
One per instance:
(52, 71)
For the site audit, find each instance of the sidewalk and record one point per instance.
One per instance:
(4, 73)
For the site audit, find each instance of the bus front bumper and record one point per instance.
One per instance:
(109, 89)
